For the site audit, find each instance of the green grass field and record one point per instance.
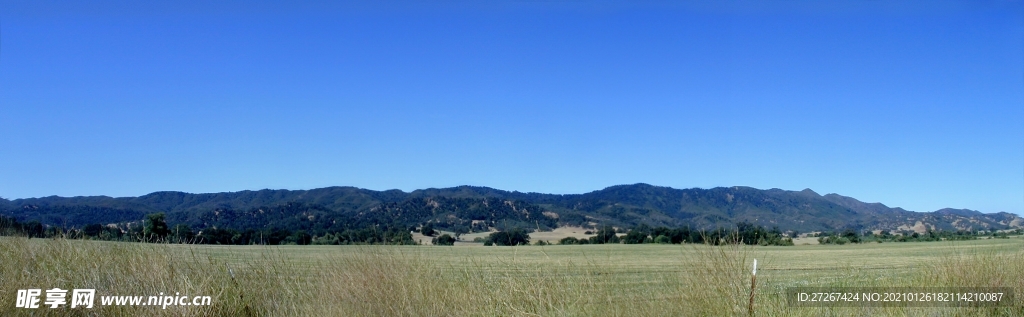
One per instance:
(579, 280)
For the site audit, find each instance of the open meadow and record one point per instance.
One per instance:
(575, 280)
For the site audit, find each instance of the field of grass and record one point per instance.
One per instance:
(579, 280)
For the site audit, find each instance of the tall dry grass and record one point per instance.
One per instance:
(136, 269)
(387, 281)
(718, 281)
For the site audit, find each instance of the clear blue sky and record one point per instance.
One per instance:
(918, 105)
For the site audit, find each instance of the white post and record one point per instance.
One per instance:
(753, 286)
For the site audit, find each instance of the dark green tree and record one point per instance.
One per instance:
(156, 226)
(182, 233)
(515, 236)
(92, 230)
(605, 235)
(427, 230)
(569, 240)
(444, 239)
(637, 235)
(300, 237)
(34, 229)
(852, 235)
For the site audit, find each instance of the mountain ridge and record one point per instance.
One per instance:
(467, 206)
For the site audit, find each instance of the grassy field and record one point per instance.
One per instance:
(586, 280)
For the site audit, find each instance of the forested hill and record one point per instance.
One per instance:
(471, 208)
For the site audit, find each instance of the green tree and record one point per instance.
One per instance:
(182, 233)
(300, 237)
(637, 235)
(569, 240)
(427, 230)
(92, 230)
(515, 236)
(156, 226)
(605, 235)
(852, 235)
(444, 239)
(326, 239)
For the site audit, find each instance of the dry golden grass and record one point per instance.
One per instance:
(589, 280)
(135, 269)
(561, 232)
(805, 241)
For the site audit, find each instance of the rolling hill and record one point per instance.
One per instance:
(479, 208)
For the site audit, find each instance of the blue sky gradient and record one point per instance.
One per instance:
(917, 105)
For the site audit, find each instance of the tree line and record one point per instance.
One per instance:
(854, 236)
(154, 228)
(744, 232)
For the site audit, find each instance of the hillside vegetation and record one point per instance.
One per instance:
(477, 209)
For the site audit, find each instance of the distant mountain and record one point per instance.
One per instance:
(478, 208)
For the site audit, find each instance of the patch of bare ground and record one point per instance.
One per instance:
(561, 232)
(547, 236)
(422, 239)
(805, 241)
(467, 239)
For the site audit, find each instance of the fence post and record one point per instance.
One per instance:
(753, 286)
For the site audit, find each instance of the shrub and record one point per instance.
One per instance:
(444, 239)
(569, 240)
(327, 239)
(662, 240)
(788, 242)
(851, 235)
(835, 240)
(300, 237)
